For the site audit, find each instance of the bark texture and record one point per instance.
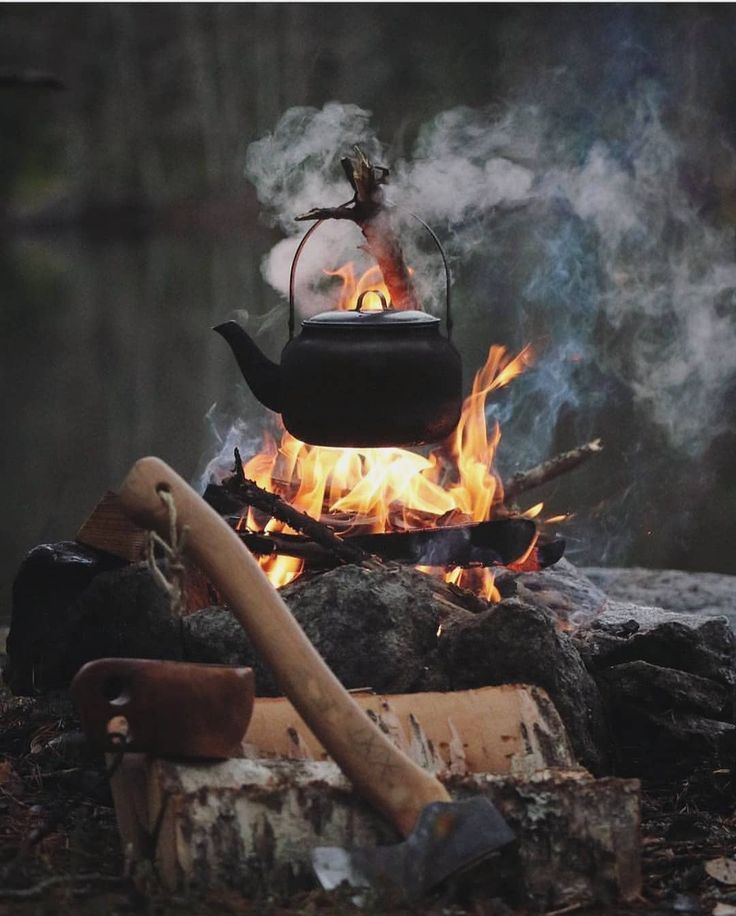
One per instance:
(250, 825)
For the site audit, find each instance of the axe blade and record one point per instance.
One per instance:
(448, 837)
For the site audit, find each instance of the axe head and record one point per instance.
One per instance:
(448, 837)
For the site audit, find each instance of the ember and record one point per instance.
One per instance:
(375, 490)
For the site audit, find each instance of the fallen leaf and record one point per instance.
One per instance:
(10, 781)
(724, 909)
(722, 869)
(6, 772)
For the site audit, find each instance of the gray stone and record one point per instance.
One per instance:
(374, 628)
(566, 591)
(626, 632)
(672, 589)
(513, 642)
(666, 689)
(49, 580)
(662, 746)
(667, 681)
(121, 613)
(213, 636)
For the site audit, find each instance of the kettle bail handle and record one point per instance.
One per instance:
(313, 228)
(371, 292)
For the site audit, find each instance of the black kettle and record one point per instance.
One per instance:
(359, 378)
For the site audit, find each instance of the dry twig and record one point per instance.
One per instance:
(548, 470)
(38, 890)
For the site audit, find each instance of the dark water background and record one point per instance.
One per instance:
(105, 341)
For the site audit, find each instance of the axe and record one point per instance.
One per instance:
(441, 835)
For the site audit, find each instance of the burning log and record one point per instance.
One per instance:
(548, 470)
(253, 495)
(493, 543)
(454, 547)
(368, 210)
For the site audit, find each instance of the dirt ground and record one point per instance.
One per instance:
(59, 846)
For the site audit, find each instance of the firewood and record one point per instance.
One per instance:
(253, 495)
(548, 470)
(108, 528)
(368, 210)
(250, 825)
(511, 728)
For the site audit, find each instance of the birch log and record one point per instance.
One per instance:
(250, 826)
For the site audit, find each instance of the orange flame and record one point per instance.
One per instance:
(353, 288)
(392, 489)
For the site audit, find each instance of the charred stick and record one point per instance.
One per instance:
(368, 210)
(253, 495)
(495, 543)
(548, 470)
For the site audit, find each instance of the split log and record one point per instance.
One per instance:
(250, 825)
(512, 728)
(110, 529)
(548, 470)
(368, 210)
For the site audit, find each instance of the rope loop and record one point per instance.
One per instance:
(174, 583)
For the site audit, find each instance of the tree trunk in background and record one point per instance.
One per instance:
(204, 76)
(137, 142)
(267, 73)
(231, 55)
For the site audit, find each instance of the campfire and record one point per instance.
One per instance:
(334, 474)
(374, 491)
(488, 689)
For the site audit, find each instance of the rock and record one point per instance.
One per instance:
(666, 689)
(214, 636)
(513, 642)
(626, 632)
(671, 589)
(563, 589)
(667, 746)
(123, 614)
(49, 580)
(374, 628)
(667, 681)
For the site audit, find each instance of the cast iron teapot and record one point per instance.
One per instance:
(359, 378)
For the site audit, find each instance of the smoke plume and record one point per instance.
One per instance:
(578, 222)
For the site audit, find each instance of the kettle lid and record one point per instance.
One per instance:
(383, 318)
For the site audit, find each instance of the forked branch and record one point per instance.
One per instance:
(368, 210)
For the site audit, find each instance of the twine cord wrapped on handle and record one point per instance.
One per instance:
(173, 585)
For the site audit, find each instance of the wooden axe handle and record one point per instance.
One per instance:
(382, 773)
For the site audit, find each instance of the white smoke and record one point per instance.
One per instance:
(589, 248)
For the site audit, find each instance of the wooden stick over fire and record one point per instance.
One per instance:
(548, 470)
(368, 210)
(272, 505)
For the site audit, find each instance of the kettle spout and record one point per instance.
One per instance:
(262, 375)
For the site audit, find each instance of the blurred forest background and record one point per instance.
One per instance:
(128, 228)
